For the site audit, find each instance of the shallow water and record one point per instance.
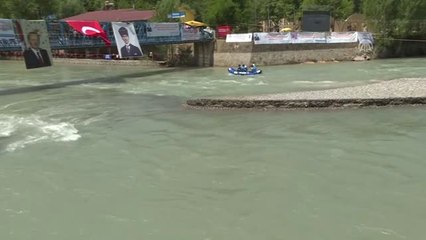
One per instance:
(101, 152)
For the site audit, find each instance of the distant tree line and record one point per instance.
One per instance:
(244, 13)
(399, 25)
(390, 19)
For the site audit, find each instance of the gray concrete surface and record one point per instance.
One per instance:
(408, 91)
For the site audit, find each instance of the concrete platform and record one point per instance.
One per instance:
(408, 91)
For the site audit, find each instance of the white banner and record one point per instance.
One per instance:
(162, 29)
(308, 37)
(6, 28)
(365, 37)
(7, 34)
(342, 37)
(272, 38)
(245, 37)
(126, 40)
(190, 33)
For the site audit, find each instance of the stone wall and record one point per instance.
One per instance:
(84, 61)
(203, 54)
(231, 54)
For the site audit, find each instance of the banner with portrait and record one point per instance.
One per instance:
(127, 40)
(190, 33)
(37, 52)
(342, 37)
(162, 29)
(239, 38)
(272, 38)
(8, 38)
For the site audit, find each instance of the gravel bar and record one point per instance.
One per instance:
(407, 91)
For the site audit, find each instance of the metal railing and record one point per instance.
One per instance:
(62, 36)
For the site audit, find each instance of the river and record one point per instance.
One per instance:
(110, 152)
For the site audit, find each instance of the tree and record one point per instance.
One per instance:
(393, 21)
(21, 9)
(70, 8)
(196, 6)
(220, 12)
(397, 18)
(275, 10)
(165, 7)
(357, 6)
(340, 9)
(92, 5)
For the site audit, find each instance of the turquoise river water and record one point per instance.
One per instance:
(110, 152)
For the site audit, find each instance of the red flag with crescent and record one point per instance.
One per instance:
(90, 29)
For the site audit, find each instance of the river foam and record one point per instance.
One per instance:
(18, 131)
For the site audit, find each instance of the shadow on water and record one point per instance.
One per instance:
(112, 79)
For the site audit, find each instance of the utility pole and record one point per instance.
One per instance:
(269, 22)
(255, 15)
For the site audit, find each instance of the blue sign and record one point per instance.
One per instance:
(176, 15)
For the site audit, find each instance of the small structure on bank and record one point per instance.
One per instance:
(117, 15)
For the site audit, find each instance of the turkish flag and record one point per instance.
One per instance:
(90, 29)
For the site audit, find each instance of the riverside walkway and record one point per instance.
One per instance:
(407, 91)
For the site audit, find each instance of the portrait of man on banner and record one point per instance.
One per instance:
(127, 41)
(34, 55)
(37, 48)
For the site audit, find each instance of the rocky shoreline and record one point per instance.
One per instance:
(141, 62)
(408, 91)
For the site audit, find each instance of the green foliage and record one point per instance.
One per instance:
(221, 12)
(21, 9)
(357, 6)
(244, 13)
(92, 5)
(340, 9)
(274, 10)
(395, 21)
(165, 7)
(70, 8)
(138, 4)
(197, 6)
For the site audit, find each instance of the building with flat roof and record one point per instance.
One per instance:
(117, 15)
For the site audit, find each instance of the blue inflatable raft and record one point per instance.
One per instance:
(249, 72)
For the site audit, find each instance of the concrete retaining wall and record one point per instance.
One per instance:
(231, 54)
(203, 54)
(84, 61)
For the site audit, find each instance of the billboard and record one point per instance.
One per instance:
(243, 37)
(190, 33)
(316, 21)
(162, 29)
(272, 38)
(308, 37)
(342, 37)
(224, 30)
